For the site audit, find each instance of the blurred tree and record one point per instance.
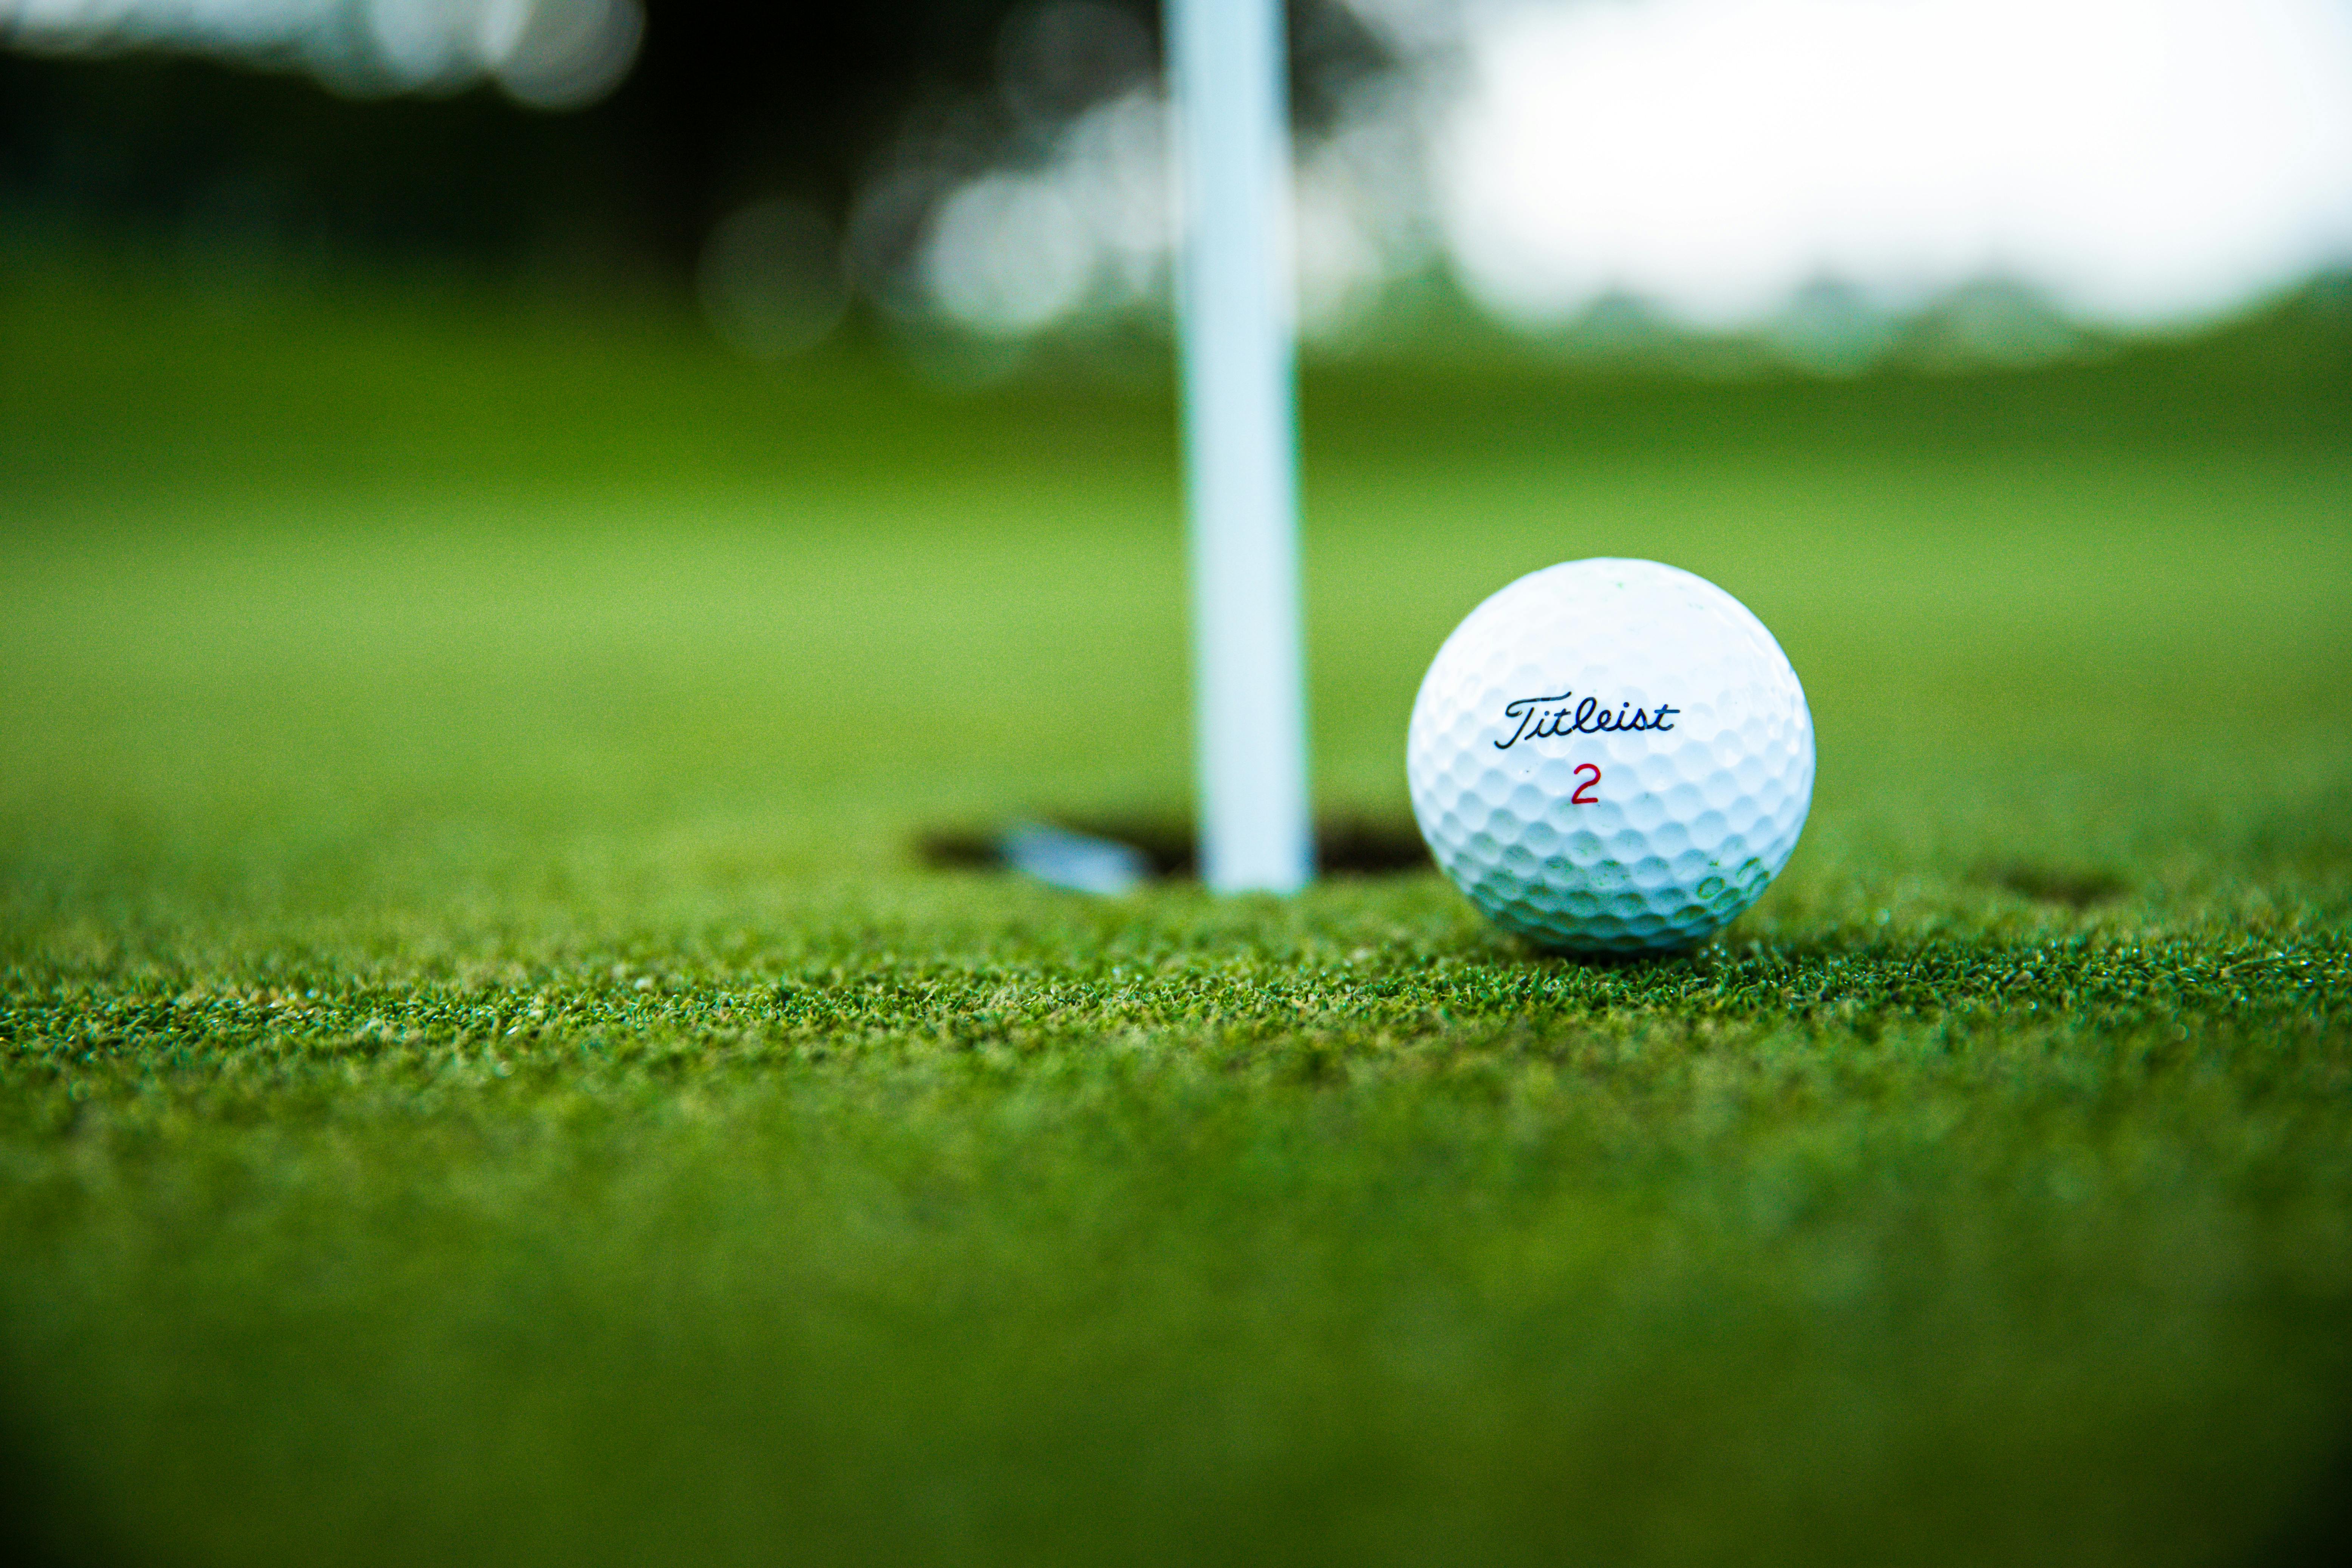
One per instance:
(729, 100)
(724, 96)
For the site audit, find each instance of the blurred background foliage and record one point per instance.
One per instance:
(1724, 186)
(723, 99)
(111, 139)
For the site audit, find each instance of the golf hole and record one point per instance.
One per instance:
(1112, 854)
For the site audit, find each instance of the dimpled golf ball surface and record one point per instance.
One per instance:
(1611, 756)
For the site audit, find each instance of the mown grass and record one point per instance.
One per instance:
(487, 1076)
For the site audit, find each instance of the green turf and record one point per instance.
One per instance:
(484, 1076)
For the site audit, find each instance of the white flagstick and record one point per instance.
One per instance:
(1241, 443)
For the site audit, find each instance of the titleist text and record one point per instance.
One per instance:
(1541, 718)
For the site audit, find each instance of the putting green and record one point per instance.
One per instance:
(486, 1074)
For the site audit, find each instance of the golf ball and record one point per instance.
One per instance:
(1611, 756)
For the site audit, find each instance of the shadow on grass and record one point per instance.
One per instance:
(2076, 888)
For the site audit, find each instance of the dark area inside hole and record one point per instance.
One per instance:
(2075, 887)
(1345, 846)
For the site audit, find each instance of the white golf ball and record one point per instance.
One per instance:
(1611, 756)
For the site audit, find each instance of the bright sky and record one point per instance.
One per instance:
(2139, 161)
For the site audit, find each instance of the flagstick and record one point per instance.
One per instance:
(1241, 443)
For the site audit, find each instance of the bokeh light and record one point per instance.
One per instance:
(770, 279)
(1013, 252)
(547, 54)
(1988, 177)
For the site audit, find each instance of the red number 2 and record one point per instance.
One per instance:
(1584, 795)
